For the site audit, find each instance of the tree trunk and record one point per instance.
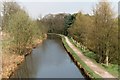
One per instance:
(107, 52)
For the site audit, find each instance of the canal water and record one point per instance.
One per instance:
(48, 60)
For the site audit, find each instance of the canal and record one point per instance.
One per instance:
(48, 60)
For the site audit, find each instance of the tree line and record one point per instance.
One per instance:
(20, 32)
(98, 32)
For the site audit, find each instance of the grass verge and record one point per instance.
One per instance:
(91, 73)
(112, 68)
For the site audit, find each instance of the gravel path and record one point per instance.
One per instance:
(94, 67)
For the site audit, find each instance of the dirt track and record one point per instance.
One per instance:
(94, 67)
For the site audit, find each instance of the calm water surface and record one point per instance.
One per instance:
(48, 60)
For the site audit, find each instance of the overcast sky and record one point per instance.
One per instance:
(43, 7)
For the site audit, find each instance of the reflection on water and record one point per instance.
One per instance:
(49, 60)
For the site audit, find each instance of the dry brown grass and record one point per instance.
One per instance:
(11, 60)
(10, 63)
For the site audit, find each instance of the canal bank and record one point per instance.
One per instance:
(11, 62)
(91, 70)
(75, 61)
(80, 64)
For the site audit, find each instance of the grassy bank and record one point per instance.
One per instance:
(90, 72)
(112, 68)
